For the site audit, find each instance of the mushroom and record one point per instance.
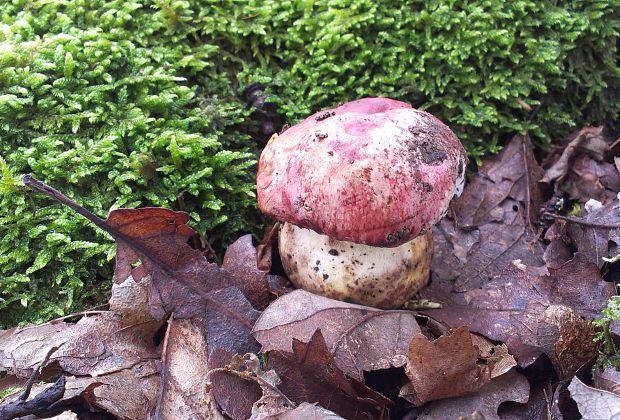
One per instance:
(359, 188)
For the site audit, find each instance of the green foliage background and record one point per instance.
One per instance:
(131, 103)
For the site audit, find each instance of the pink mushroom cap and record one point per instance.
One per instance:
(373, 171)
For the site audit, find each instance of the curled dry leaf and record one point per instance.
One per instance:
(127, 394)
(183, 379)
(310, 373)
(594, 403)
(580, 170)
(360, 338)
(509, 387)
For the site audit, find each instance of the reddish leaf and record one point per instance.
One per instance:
(181, 278)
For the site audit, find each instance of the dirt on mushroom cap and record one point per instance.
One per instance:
(373, 171)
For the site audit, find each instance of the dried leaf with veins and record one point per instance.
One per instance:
(532, 314)
(360, 338)
(95, 345)
(514, 174)
(492, 223)
(591, 236)
(594, 403)
(509, 387)
(310, 373)
(450, 366)
(181, 277)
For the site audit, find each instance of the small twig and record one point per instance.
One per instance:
(39, 406)
(35, 373)
(583, 222)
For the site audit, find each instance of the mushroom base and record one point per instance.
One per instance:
(368, 275)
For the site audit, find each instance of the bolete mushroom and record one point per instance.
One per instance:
(359, 188)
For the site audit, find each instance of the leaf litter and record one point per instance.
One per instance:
(516, 281)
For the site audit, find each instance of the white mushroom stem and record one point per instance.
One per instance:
(373, 276)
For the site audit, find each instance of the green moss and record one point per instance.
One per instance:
(131, 103)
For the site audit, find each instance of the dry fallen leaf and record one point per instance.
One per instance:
(597, 242)
(360, 338)
(95, 345)
(241, 260)
(532, 314)
(579, 169)
(493, 222)
(446, 367)
(229, 322)
(509, 387)
(512, 174)
(594, 403)
(607, 379)
(155, 246)
(310, 373)
(182, 389)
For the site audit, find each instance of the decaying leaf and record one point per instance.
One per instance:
(492, 223)
(509, 387)
(360, 338)
(489, 273)
(607, 379)
(581, 170)
(513, 174)
(310, 373)
(538, 406)
(95, 345)
(183, 381)
(307, 411)
(594, 403)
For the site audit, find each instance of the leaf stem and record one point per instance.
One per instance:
(583, 222)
